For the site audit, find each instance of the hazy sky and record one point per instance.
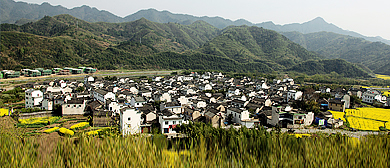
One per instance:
(367, 17)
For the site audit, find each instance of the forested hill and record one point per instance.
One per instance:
(374, 55)
(64, 40)
(22, 12)
(165, 37)
(337, 66)
(254, 44)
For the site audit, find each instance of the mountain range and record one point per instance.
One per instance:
(64, 40)
(174, 41)
(21, 12)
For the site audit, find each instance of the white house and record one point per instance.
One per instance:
(137, 101)
(294, 95)
(166, 97)
(33, 98)
(169, 122)
(47, 104)
(370, 95)
(74, 107)
(173, 107)
(238, 114)
(187, 78)
(102, 95)
(88, 79)
(134, 90)
(114, 106)
(183, 100)
(205, 87)
(130, 121)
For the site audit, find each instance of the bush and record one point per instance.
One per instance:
(37, 122)
(81, 125)
(50, 130)
(64, 131)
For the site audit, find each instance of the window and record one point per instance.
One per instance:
(179, 122)
(166, 130)
(128, 119)
(68, 105)
(166, 122)
(79, 105)
(74, 105)
(174, 122)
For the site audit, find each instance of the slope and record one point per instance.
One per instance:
(64, 40)
(341, 67)
(374, 55)
(254, 44)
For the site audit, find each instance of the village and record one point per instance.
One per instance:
(144, 105)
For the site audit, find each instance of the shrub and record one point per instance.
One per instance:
(37, 122)
(3, 112)
(50, 130)
(65, 131)
(81, 125)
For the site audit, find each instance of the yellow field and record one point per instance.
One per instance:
(385, 77)
(337, 115)
(370, 113)
(365, 118)
(364, 124)
(368, 118)
(386, 93)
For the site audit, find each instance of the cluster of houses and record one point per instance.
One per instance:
(162, 103)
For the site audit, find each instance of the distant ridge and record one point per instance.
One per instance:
(21, 12)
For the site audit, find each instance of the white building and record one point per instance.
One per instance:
(88, 79)
(33, 98)
(102, 95)
(137, 102)
(370, 95)
(176, 108)
(74, 107)
(205, 87)
(169, 122)
(294, 95)
(238, 114)
(47, 104)
(130, 121)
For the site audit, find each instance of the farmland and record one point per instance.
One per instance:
(365, 118)
(385, 77)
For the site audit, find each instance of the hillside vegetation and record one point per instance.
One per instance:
(64, 40)
(374, 55)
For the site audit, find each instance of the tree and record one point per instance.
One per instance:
(355, 100)
(229, 119)
(80, 89)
